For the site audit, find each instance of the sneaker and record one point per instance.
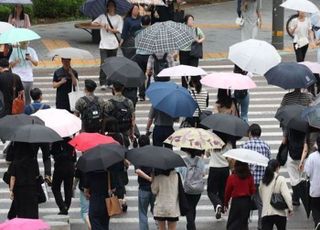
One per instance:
(317, 227)
(218, 212)
(103, 87)
(142, 98)
(296, 203)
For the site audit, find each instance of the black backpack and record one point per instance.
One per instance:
(296, 143)
(92, 116)
(159, 65)
(121, 115)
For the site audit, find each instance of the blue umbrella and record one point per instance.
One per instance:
(171, 99)
(94, 8)
(290, 75)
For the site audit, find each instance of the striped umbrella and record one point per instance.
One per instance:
(94, 8)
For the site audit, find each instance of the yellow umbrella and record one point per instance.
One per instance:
(195, 138)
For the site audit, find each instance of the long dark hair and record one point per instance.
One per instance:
(226, 138)
(273, 165)
(195, 82)
(224, 98)
(13, 13)
(242, 170)
(129, 14)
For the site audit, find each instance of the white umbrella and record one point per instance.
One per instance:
(254, 56)
(70, 53)
(247, 156)
(300, 5)
(60, 120)
(182, 70)
(4, 26)
(23, 2)
(148, 2)
(313, 66)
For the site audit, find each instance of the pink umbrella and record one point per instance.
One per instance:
(227, 80)
(24, 224)
(313, 66)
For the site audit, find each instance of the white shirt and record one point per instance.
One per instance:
(302, 30)
(217, 160)
(24, 67)
(312, 168)
(108, 40)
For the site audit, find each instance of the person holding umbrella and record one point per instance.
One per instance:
(225, 103)
(18, 18)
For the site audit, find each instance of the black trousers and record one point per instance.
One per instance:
(300, 52)
(269, 221)
(26, 201)
(217, 180)
(315, 208)
(239, 214)
(142, 61)
(160, 134)
(104, 54)
(63, 174)
(193, 201)
(186, 59)
(98, 216)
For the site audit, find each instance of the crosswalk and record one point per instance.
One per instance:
(264, 100)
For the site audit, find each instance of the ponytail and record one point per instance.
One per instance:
(273, 165)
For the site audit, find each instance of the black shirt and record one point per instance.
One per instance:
(63, 153)
(62, 99)
(97, 182)
(144, 184)
(7, 81)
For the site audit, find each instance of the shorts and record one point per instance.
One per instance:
(169, 219)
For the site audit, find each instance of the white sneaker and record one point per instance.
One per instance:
(218, 211)
(103, 87)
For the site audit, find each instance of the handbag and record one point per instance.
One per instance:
(196, 48)
(183, 202)
(282, 155)
(18, 102)
(74, 96)
(277, 201)
(110, 24)
(112, 202)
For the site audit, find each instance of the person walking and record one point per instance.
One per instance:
(252, 21)
(255, 143)
(65, 79)
(90, 108)
(312, 168)
(18, 18)
(225, 103)
(273, 183)
(185, 54)
(166, 207)
(193, 176)
(64, 156)
(110, 25)
(21, 60)
(240, 187)
(156, 63)
(302, 35)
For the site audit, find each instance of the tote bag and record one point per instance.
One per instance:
(112, 202)
(74, 95)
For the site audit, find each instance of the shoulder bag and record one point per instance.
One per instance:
(18, 102)
(112, 202)
(277, 201)
(196, 48)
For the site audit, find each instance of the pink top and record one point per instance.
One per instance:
(16, 22)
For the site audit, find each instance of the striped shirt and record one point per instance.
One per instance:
(201, 98)
(297, 97)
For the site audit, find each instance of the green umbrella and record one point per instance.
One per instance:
(16, 35)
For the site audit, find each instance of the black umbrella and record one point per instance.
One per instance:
(155, 157)
(290, 75)
(34, 134)
(227, 124)
(9, 123)
(101, 157)
(290, 116)
(124, 71)
(312, 116)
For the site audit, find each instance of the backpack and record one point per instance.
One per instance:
(121, 115)
(295, 143)
(194, 182)
(240, 94)
(92, 116)
(159, 65)
(2, 105)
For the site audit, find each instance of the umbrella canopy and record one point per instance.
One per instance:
(247, 156)
(230, 80)
(315, 19)
(195, 138)
(70, 53)
(182, 70)
(164, 37)
(7, 129)
(123, 70)
(60, 120)
(155, 157)
(148, 2)
(248, 56)
(312, 115)
(290, 75)
(94, 8)
(22, 2)
(34, 134)
(85, 141)
(291, 116)
(101, 157)
(4, 26)
(227, 124)
(313, 66)
(171, 99)
(16, 35)
(24, 224)
(300, 5)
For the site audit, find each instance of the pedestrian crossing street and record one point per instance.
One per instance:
(264, 101)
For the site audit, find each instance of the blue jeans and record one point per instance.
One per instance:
(146, 198)
(84, 206)
(244, 107)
